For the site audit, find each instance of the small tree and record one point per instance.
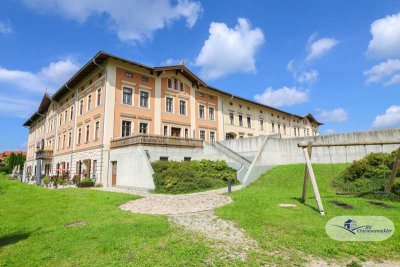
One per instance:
(11, 161)
(19, 160)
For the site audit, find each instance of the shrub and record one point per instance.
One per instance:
(191, 176)
(5, 169)
(368, 175)
(46, 180)
(86, 182)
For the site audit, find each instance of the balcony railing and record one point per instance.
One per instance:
(156, 140)
(45, 153)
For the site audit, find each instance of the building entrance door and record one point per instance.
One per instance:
(113, 173)
(175, 131)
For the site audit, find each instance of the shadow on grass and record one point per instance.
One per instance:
(13, 238)
(305, 204)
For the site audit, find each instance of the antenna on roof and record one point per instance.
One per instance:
(182, 62)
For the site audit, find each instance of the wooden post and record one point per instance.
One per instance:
(390, 182)
(313, 181)
(304, 195)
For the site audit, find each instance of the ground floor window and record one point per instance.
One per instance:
(212, 137)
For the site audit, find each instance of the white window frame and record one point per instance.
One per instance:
(87, 134)
(132, 95)
(132, 126)
(172, 104)
(94, 130)
(147, 128)
(213, 113)
(204, 113)
(98, 99)
(205, 134)
(184, 114)
(88, 105)
(148, 99)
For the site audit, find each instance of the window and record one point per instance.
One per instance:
(231, 118)
(176, 84)
(98, 97)
(144, 99)
(65, 116)
(186, 133)
(182, 107)
(211, 113)
(240, 120)
(284, 129)
(169, 83)
(202, 135)
(201, 112)
(128, 74)
(143, 127)
(79, 136)
(60, 119)
(212, 137)
(71, 114)
(63, 144)
(127, 96)
(295, 133)
(96, 130)
(181, 86)
(187, 158)
(81, 107)
(279, 128)
(168, 104)
(273, 127)
(248, 122)
(87, 133)
(165, 130)
(126, 128)
(58, 144)
(89, 102)
(163, 158)
(145, 79)
(94, 168)
(262, 125)
(69, 139)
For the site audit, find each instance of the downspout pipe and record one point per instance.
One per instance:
(73, 127)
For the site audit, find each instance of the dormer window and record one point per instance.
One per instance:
(176, 84)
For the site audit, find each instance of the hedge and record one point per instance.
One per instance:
(191, 176)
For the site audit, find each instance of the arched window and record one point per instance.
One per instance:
(169, 83)
(181, 86)
(176, 84)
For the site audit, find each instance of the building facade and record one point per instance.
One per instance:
(111, 98)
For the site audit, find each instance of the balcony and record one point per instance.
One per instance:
(45, 153)
(156, 140)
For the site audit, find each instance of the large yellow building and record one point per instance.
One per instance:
(111, 98)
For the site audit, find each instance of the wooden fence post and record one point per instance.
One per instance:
(313, 181)
(304, 195)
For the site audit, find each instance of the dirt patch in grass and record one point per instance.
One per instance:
(75, 224)
(380, 204)
(341, 204)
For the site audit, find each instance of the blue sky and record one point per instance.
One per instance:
(339, 60)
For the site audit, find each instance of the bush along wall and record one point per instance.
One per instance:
(191, 176)
(368, 176)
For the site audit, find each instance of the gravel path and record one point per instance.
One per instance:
(195, 212)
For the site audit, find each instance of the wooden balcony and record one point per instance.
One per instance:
(156, 140)
(45, 153)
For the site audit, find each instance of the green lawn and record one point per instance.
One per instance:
(296, 233)
(32, 231)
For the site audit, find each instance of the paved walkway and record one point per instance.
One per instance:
(195, 212)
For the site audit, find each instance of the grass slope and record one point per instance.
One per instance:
(32, 231)
(296, 233)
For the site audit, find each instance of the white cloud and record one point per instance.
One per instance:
(50, 77)
(318, 48)
(335, 115)
(284, 96)
(394, 80)
(229, 50)
(330, 131)
(308, 77)
(11, 106)
(385, 42)
(5, 27)
(391, 118)
(132, 20)
(383, 70)
(290, 65)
